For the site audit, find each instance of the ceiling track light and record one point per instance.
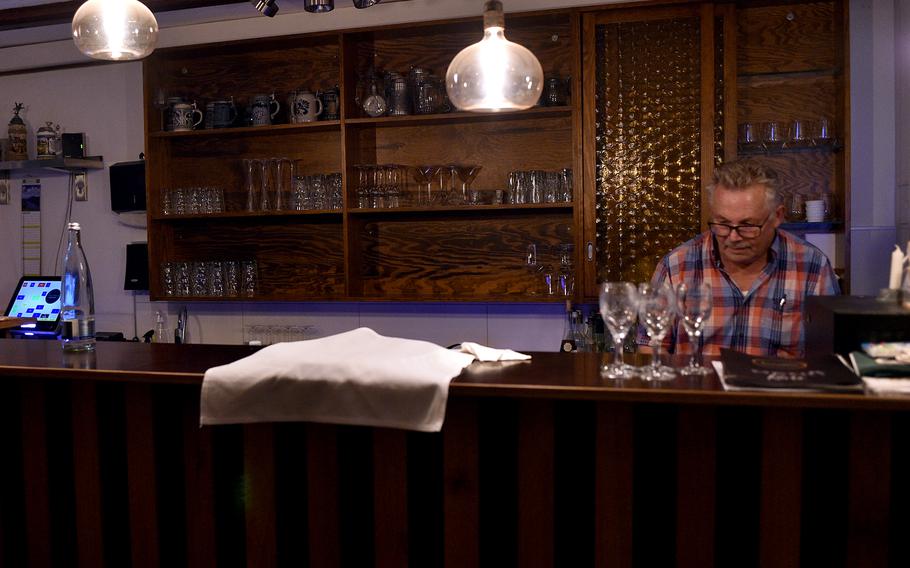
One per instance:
(266, 7)
(318, 6)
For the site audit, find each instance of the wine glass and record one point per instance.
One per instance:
(619, 308)
(467, 174)
(693, 304)
(426, 175)
(656, 310)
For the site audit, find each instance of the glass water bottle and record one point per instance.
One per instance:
(78, 303)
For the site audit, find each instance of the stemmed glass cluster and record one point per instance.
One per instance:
(621, 303)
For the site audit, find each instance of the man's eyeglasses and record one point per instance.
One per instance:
(746, 230)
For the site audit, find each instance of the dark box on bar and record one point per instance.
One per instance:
(840, 324)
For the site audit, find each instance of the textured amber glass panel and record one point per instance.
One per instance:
(647, 128)
(719, 85)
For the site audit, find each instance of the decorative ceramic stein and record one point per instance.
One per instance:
(47, 141)
(169, 114)
(260, 111)
(182, 116)
(18, 149)
(306, 107)
(331, 103)
(224, 113)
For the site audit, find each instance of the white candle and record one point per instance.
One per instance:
(897, 264)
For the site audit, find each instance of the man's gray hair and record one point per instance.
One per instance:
(740, 174)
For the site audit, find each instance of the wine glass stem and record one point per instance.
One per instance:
(617, 351)
(655, 361)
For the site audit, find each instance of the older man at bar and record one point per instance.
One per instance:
(759, 274)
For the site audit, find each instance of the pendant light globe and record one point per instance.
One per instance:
(494, 74)
(115, 30)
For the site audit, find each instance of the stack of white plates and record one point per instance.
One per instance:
(815, 211)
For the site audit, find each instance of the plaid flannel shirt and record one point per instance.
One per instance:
(766, 320)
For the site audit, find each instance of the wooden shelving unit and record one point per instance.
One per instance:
(443, 253)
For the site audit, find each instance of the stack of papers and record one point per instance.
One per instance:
(884, 367)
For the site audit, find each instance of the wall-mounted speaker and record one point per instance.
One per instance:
(128, 186)
(137, 267)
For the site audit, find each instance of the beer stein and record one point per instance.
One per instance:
(182, 115)
(331, 103)
(260, 110)
(306, 107)
(223, 113)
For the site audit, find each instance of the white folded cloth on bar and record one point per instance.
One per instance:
(358, 377)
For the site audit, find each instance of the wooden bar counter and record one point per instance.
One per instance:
(540, 463)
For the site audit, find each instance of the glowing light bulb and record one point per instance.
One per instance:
(115, 29)
(494, 74)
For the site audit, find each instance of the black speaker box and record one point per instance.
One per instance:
(73, 145)
(128, 186)
(137, 267)
(841, 324)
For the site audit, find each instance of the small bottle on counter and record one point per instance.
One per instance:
(568, 345)
(161, 333)
(78, 300)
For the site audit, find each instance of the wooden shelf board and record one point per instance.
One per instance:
(250, 130)
(56, 164)
(462, 208)
(757, 150)
(250, 214)
(806, 227)
(512, 299)
(418, 119)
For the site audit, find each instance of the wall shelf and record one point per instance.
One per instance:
(65, 165)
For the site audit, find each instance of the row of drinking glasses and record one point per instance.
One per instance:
(380, 186)
(317, 192)
(538, 186)
(269, 334)
(267, 183)
(621, 303)
(216, 279)
(776, 134)
(192, 201)
(547, 279)
(448, 184)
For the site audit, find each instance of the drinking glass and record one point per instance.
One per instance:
(182, 277)
(747, 135)
(215, 276)
(656, 309)
(693, 305)
(200, 280)
(467, 174)
(231, 270)
(168, 278)
(774, 135)
(564, 194)
(194, 201)
(252, 172)
(824, 131)
(267, 185)
(178, 201)
(619, 308)
(394, 180)
(166, 207)
(249, 276)
(798, 135)
(533, 266)
(284, 170)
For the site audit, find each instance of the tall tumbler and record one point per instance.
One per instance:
(252, 178)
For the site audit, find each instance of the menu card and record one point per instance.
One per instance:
(774, 373)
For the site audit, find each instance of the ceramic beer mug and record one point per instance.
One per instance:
(183, 115)
(306, 107)
(223, 113)
(261, 112)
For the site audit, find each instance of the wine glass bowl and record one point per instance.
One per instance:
(619, 309)
(694, 303)
(427, 176)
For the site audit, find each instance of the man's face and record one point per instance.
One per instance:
(744, 207)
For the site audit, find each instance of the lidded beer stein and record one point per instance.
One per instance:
(18, 148)
(47, 137)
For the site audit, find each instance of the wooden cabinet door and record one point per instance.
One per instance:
(653, 93)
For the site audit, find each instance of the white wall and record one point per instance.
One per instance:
(105, 102)
(873, 143)
(902, 63)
